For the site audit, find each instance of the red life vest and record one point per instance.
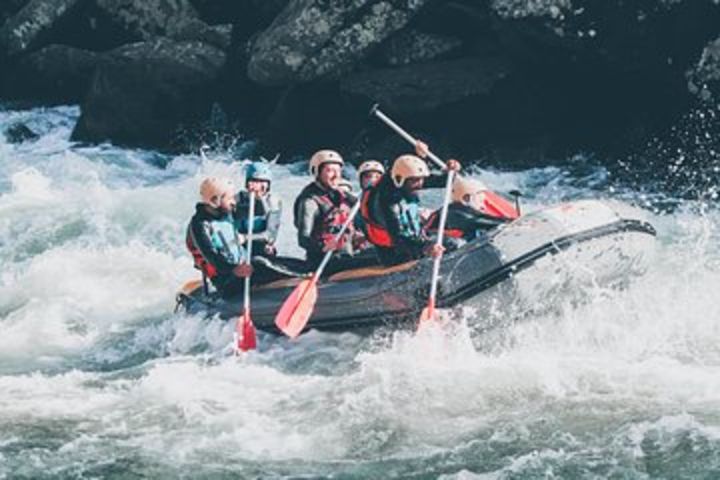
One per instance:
(333, 217)
(199, 261)
(376, 233)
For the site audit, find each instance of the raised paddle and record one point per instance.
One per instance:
(245, 336)
(429, 313)
(298, 307)
(494, 203)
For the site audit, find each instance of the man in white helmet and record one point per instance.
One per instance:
(211, 237)
(369, 173)
(467, 217)
(391, 210)
(322, 207)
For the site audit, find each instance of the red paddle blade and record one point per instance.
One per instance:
(297, 309)
(246, 333)
(499, 207)
(428, 314)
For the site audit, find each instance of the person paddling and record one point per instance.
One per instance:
(391, 209)
(467, 217)
(211, 238)
(322, 208)
(268, 210)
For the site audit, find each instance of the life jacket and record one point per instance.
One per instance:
(242, 211)
(333, 217)
(375, 223)
(199, 261)
(221, 235)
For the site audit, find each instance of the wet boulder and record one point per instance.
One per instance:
(427, 86)
(8, 8)
(55, 74)
(312, 39)
(219, 36)
(146, 19)
(35, 24)
(142, 93)
(413, 46)
(704, 77)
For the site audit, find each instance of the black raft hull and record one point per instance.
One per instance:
(518, 264)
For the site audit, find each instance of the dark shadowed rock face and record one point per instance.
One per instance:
(196, 30)
(8, 8)
(704, 77)
(55, 74)
(142, 93)
(413, 46)
(34, 24)
(423, 87)
(312, 39)
(149, 18)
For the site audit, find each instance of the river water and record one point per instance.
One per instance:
(99, 379)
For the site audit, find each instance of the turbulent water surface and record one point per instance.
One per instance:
(99, 379)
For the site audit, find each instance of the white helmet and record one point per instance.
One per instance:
(407, 166)
(212, 188)
(464, 189)
(322, 157)
(371, 166)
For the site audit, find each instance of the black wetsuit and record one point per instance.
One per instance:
(393, 223)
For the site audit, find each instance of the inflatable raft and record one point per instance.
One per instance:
(519, 263)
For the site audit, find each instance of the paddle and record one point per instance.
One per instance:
(494, 203)
(245, 337)
(429, 313)
(298, 307)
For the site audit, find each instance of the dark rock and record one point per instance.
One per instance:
(54, 74)
(217, 12)
(146, 19)
(142, 93)
(704, 77)
(34, 24)
(424, 87)
(196, 30)
(313, 39)
(8, 8)
(92, 28)
(309, 117)
(413, 46)
(19, 133)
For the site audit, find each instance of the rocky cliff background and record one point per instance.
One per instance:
(508, 82)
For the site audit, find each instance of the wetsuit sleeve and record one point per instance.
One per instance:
(201, 237)
(307, 212)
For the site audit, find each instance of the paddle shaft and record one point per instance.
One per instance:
(411, 140)
(441, 234)
(337, 238)
(251, 221)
